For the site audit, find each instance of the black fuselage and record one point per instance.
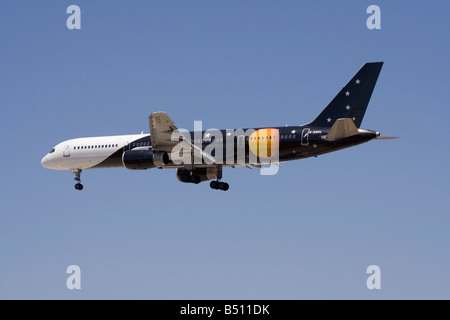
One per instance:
(295, 142)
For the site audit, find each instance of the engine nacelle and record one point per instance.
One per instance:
(198, 175)
(144, 159)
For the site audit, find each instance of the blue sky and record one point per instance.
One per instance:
(308, 232)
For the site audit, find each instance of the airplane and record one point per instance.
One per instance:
(201, 155)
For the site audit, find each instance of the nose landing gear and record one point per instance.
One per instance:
(77, 178)
(79, 186)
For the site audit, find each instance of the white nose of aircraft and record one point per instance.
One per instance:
(44, 162)
(50, 160)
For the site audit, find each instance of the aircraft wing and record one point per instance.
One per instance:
(161, 130)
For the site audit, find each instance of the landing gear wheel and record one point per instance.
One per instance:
(77, 178)
(195, 179)
(214, 185)
(185, 177)
(219, 185)
(79, 186)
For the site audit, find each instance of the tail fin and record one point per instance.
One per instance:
(351, 102)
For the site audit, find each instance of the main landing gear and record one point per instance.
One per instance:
(217, 185)
(77, 178)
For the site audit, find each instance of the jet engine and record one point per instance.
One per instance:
(198, 175)
(144, 159)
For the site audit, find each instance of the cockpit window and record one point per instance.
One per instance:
(53, 150)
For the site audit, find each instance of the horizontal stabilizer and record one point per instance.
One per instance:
(342, 128)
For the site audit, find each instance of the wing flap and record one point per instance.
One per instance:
(161, 130)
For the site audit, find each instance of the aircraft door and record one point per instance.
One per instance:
(305, 137)
(66, 152)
